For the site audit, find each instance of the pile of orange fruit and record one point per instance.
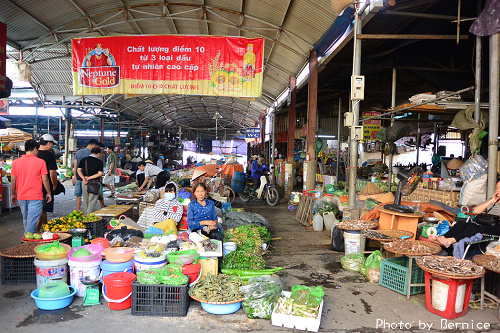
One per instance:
(71, 221)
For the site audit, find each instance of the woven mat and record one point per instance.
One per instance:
(24, 250)
(491, 263)
(356, 225)
(218, 303)
(448, 274)
(394, 234)
(403, 247)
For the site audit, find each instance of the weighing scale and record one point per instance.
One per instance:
(91, 290)
(78, 237)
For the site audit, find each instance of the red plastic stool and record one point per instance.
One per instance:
(453, 284)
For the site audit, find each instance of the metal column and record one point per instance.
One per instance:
(477, 99)
(418, 138)
(312, 110)
(102, 129)
(292, 115)
(353, 146)
(338, 142)
(393, 105)
(67, 128)
(272, 138)
(494, 105)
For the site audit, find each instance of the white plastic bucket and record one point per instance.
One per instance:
(51, 271)
(229, 247)
(354, 241)
(78, 270)
(139, 266)
(440, 296)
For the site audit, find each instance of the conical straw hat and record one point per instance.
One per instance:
(370, 189)
(455, 164)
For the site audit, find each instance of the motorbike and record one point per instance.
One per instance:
(267, 191)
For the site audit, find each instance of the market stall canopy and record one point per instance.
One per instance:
(211, 169)
(13, 135)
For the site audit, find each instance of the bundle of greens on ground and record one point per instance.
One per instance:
(248, 237)
(261, 295)
(170, 275)
(217, 288)
(303, 302)
(243, 260)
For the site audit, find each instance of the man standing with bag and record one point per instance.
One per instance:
(90, 171)
(27, 175)
(45, 153)
(109, 178)
(77, 181)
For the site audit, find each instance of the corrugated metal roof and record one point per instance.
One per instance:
(286, 25)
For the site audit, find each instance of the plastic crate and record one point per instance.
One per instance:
(394, 275)
(97, 228)
(18, 270)
(159, 300)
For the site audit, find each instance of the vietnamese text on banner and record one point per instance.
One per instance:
(168, 64)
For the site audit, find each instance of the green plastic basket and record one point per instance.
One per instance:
(394, 275)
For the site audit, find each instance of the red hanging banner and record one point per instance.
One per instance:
(168, 64)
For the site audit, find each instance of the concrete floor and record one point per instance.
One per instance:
(350, 303)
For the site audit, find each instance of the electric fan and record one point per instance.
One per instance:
(408, 182)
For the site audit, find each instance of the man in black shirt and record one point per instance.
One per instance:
(90, 167)
(45, 152)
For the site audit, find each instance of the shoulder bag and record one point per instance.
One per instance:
(93, 185)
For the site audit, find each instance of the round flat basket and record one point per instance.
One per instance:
(24, 250)
(57, 256)
(218, 303)
(451, 267)
(412, 248)
(356, 225)
(393, 234)
(491, 263)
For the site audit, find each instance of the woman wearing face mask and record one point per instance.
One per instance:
(169, 208)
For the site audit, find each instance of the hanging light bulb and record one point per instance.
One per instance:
(238, 133)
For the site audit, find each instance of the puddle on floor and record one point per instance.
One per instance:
(51, 317)
(368, 307)
(352, 279)
(334, 267)
(17, 294)
(320, 279)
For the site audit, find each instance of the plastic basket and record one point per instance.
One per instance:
(18, 270)
(56, 256)
(97, 228)
(394, 275)
(159, 300)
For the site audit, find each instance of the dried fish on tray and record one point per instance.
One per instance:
(356, 225)
(450, 267)
(491, 263)
(126, 195)
(372, 234)
(387, 235)
(412, 248)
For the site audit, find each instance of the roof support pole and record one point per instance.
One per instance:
(393, 105)
(418, 138)
(262, 146)
(292, 119)
(477, 99)
(494, 105)
(67, 128)
(353, 146)
(102, 129)
(338, 143)
(312, 111)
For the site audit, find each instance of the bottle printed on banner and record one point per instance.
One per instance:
(249, 64)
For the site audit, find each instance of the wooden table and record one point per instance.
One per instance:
(114, 211)
(399, 221)
(134, 202)
(480, 260)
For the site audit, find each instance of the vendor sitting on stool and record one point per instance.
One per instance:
(201, 214)
(169, 209)
(461, 230)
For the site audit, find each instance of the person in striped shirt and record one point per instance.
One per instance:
(151, 170)
(168, 207)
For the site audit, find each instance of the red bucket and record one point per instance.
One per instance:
(117, 290)
(192, 271)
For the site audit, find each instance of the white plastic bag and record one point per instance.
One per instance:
(493, 249)
(474, 192)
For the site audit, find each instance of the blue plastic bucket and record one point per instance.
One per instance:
(238, 182)
(111, 267)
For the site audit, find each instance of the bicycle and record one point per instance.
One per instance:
(216, 185)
